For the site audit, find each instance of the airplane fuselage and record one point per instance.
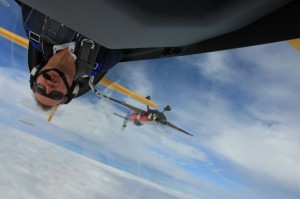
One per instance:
(139, 119)
(150, 116)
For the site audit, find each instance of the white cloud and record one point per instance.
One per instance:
(216, 66)
(269, 152)
(136, 78)
(266, 146)
(33, 168)
(258, 135)
(260, 139)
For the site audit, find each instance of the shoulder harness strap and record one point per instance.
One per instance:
(86, 60)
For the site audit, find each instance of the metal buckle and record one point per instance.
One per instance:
(89, 42)
(34, 36)
(95, 66)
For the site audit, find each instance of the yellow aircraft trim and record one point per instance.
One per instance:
(14, 37)
(53, 110)
(117, 87)
(295, 43)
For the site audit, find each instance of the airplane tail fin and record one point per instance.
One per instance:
(125, 120)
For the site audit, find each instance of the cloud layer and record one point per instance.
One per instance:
(33, 168)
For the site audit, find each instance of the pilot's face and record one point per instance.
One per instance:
(50, 89)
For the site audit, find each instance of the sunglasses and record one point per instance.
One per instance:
(55, 95)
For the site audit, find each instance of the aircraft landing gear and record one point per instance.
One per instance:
(167, 108)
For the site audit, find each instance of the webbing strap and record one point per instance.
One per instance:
(57, 33)
(86, 59)
(53, 33)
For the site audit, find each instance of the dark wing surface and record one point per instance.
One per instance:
(177, 128)
(124, 104)
(120, 115)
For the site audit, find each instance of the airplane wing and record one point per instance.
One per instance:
(177, 128)
(14, 37)
(120, 115)
(165, 28)
(117, 87)
(124, 104)
(295, 43)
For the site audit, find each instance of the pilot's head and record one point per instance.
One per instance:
(52, 85)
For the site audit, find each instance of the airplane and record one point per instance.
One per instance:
(140, 117)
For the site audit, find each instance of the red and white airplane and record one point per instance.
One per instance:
(140, 117)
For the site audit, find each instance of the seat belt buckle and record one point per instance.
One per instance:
(88, 42)
(34, 36)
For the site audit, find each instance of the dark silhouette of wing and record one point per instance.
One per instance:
(177, 128)
(175, 29)
(120, 115)
(125, 104)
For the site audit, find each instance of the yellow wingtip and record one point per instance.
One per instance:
(14, 37)
(52, 112)
(295, 43)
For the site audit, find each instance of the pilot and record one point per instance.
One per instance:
(61, 60)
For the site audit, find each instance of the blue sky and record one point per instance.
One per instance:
(241, 105)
